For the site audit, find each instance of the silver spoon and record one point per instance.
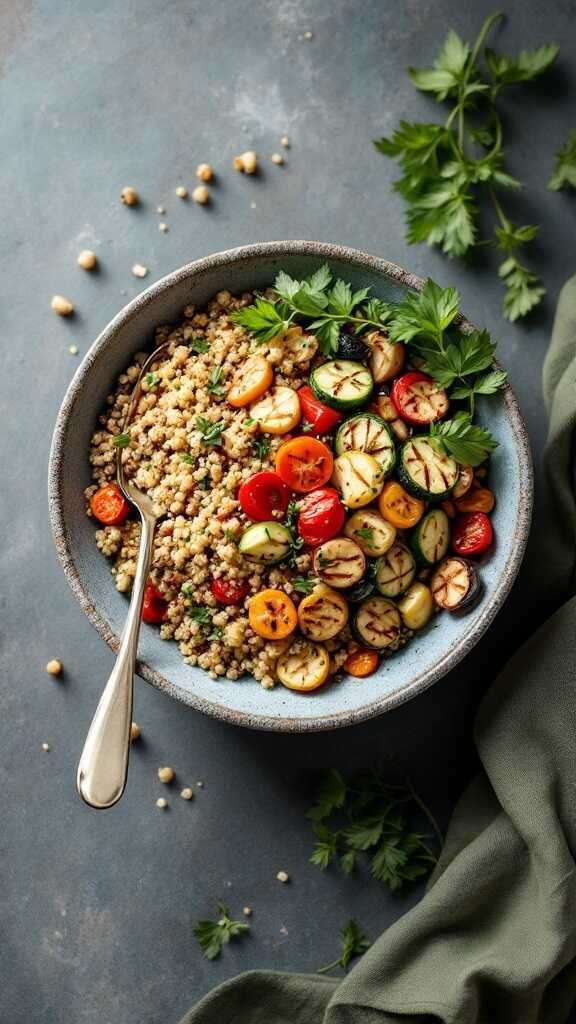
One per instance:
(103, 766)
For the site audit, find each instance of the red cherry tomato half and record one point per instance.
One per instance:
(228, 592)
(322, 516)
(321, 417)
(418, 399)
(154, 607)
(263, 495)
(472, 534)
(109, 505)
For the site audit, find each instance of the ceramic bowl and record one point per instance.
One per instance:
(428, 657)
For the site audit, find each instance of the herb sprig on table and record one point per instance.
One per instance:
(449, 168)
(353, 942)
(329, 304)
(367, 816)
(212, 936)
(565, 171)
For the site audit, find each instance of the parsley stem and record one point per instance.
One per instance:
(490, 20)
(329, 967)
(428, 814)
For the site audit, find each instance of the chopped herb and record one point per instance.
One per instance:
(306, 427)
(249, 422)
(121, 440)
(188, 458)
(215, 386)
(230, 536)
(211, 432)
(367, 815)
(261, 447)
(296, 542)
(324, 561)
(198, 344)
(354, 943)
(204, 483)
(152, 380)
(366, 534)
(216, 634)
(304, 584)
(212, 936)
(199, 613)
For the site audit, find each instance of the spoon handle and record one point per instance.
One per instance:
(103, 766)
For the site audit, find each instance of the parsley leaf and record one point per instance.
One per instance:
(366, 534)
(304, 584)
(528, 65)
(198, 344)
(121, 440)
(200, 614)
(263, 320)
(565, 171)
(464, 441)
(354, 943)
(424, 314)
(212, 936)
(152, 380)
(211, 432)
(188, 458)
(215, 385)
(261, 447)
(523, 289)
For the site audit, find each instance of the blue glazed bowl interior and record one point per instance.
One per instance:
(425, 659)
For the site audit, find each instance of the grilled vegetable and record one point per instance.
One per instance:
(323, 613)
(339, 562)
(272, 614)
(367, 433)
(304, 666)
(342, 384)
(228, 591)
(464, 482)
(371, 532)
(377, 623)
(398, 507)
(386, 358)
(251, 380)
(359, 478)
(365, 587)
(319, 416)
(431, 538)
(455, 584)
(265, 542)
(350, 346)
(277, 412)
(426, 471)
(473, 534)
(301, 345)
(418, 399)
(109, 506)
(304, 463)
(321, 516)
(479, 499)
(395, 571)
(263, 495)
(417, 606)
(154, 606)
(361, 664)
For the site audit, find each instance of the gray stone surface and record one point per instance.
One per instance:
(96, 910)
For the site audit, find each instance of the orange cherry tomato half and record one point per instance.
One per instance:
(251, 380)
(272, 614)
(362, 663)
(304, 463)
(154, 607)
(480, 499)
(398, 507)
(109, 505)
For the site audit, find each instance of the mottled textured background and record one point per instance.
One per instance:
(96, 910)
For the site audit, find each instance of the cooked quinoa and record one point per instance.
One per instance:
(195, 485)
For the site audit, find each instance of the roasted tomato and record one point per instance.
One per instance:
(472, 534)
(398, 507)
(418, 398)
(263, 496)
(321, 517)
(109, 506)
(321, 417)
(272, 614)
(154, 607)
(361, 664)
(478, 499)
(228, 591)
(304, 463)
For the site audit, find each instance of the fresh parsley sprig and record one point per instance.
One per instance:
(211, 432)
(327, 303)
(215, 384)
(212, 936)
(448, 169)
(366, 815)
(296, 542)
(466, 442)
(353, 942)
(565, 171)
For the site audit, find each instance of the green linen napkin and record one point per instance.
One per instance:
(494, 939)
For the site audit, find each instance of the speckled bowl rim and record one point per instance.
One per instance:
(274, 250)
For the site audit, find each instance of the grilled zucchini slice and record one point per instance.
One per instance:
(395, 571)
(455, 584)
(430, 539)
(359, 478)
(323, 613)
(305, 666)
(266, 543)
(339, 562)
(425, 471)
(342, 384)
(371, 532)
(367, 433)
(377, 623)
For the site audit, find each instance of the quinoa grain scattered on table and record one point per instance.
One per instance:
(196, 486)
